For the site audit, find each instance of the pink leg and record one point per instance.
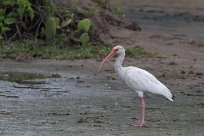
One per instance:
(141, 122)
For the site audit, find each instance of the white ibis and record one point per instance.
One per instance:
(138, 80)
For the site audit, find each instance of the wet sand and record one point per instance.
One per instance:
(85, 102)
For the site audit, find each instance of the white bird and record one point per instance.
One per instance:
(138, 80)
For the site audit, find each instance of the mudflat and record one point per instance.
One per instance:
(76, 99)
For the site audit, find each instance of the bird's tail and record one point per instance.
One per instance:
(170, 99)
(167, 93)
(170, 96)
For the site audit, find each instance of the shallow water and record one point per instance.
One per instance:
(184, 25)
(184, 21)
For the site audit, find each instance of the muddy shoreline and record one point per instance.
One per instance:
(84, 102)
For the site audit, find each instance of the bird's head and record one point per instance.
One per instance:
(116, 51)
(119, 50)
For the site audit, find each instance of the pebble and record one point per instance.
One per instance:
(173, 63)
(199, 73)
(56, 75)
(190, 72)
(183, 72)
(80, 81)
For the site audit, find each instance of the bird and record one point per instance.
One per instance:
(137, 79)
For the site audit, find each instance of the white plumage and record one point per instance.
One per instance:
(138, 80)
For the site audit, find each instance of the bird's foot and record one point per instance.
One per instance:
(139, 124)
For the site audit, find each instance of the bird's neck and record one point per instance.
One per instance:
(118, 62)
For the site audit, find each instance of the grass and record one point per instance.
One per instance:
(27, 49)
(21, 78)
(139, 52)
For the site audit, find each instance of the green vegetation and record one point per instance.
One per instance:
(47, 20)
(22, 78)
(26, 49)
(83, 28)
(57, 31)
(141, 52)
(12, 14)
(106, 4)
(31, 49)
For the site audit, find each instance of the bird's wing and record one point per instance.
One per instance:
(141, 80)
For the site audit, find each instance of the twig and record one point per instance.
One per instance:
(18, 30)
(33, 26)
(12, 37)
(5, 36)
(36, 34)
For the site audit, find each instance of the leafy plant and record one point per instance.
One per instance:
(12, 14)
(49, 7)
(67, 21)
(42, 19)
(23, 6)
(83, 28)
(51, 27)
(84, 38)
(5, 21)
(1, 38)
(84, 25)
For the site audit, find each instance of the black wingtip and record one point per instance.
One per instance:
(173, 97)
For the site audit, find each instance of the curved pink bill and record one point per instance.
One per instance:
(113, 53)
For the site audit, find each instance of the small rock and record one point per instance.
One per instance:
(190, 72)
(170, 44)
(182, 72)
(173, 63)
(97, 125)
(80, 81)
(52, 114)
(163, 75)
(183, 77)
(83, 113)
(175, 120)
(82, 120)
(113, 78)
(99, 121)
(56, 75)
(199, 73)
(77, 77)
